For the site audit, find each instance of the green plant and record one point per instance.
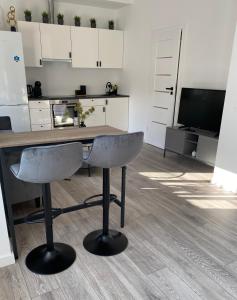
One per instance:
(111, 22)
(92, 20)
(60, 16)
(27, 12)
(45, 14)
(77, 18)
(81, 114)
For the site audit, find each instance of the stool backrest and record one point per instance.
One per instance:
(115, 150)
(45, 164)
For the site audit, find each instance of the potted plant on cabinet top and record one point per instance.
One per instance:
(27, 15)
(82, 115)
(93, 23)
(60, 19)
(111, 24)
(77, 21)
(45, 17)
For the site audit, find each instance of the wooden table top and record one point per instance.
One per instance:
(10, 139)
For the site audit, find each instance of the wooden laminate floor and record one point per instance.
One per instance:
(181, 231)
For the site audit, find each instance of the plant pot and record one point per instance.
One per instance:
(28, 18)
(93, 24)
(45, 19)
(82, 124)
(111, 26)
(60, 21)
(78, 23)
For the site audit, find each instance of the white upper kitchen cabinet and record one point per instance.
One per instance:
(85, 47)
(117, 113)
(56, 42)
(110, 48)
(31, 43)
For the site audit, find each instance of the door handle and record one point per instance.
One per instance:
(171, 89)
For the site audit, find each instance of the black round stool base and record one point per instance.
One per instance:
(42, 261)
(105, 245)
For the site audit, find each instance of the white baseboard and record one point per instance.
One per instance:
(7, 260)
(225, 179)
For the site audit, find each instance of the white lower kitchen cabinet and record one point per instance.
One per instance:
(117, 113)
(97, 118)
(40, 115)
(41, 127)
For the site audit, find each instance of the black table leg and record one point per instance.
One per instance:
(5, 186)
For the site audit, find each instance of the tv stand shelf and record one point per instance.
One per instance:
(197, 144)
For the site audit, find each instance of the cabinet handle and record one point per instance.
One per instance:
(100, 64)
(97, 63)
(40, 62)
(106, 102)
(70, 54)
(103, 109)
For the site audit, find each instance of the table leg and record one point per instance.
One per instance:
(7, 201)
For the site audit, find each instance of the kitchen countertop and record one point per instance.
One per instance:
(78, 97)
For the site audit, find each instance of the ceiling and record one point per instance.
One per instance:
(114, 4)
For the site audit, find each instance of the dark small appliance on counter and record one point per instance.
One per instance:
(30, 91)
(111, 89)
(37, 90)
(82, 91)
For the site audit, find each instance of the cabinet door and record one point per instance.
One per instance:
(31, 43)
(97, 118)
(117, 113)
(84, 47)
(55, 41)
(111, 48)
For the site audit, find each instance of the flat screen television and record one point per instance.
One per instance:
(201, 108)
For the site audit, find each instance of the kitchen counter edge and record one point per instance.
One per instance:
(77, 97)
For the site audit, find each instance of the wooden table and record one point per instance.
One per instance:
(18, 141)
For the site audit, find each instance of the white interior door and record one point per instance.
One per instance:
(111, 48)
(166, 53)
(31, 43)
(84, 47)
(55, 42)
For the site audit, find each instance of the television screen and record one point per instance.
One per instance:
(201, 108)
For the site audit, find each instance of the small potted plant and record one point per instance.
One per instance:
(82, 115)
(93, 23)
(60, 19)
(27, 15)
(111, 24)
(77, 21)
(45, 17)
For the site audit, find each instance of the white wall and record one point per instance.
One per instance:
(60, 78)
(209, 29)
(6, 255)
(225, 174)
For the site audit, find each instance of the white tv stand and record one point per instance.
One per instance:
(185, 142)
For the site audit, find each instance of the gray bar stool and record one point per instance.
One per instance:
(108, 152)
(43, 165)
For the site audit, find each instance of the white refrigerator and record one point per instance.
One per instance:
(13, 90)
